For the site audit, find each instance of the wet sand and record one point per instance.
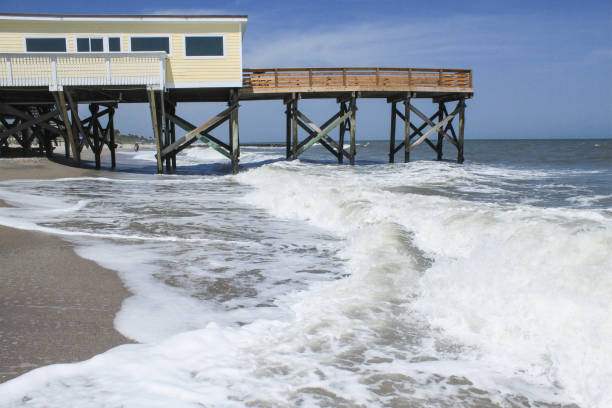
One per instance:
(55, 307)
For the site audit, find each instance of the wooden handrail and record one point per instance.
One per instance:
(264, 78)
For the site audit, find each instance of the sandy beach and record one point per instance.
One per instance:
(55, 306)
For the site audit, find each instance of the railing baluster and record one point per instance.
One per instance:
(54, 72)
(9, 71)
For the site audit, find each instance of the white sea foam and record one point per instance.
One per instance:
(344, 286)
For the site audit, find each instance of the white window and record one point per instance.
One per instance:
(114, 44)
(204, 46)
(90, 44)
(45, 44)
(150, 43)
(98, 44)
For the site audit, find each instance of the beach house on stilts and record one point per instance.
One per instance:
(51, 64)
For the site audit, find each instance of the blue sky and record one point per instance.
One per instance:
(541, 69)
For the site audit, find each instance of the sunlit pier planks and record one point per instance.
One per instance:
(324, 80)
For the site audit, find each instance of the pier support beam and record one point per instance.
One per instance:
(29, 123)
(171, 129)
(288, 115)
(439, 146)
(294, 128)
(231, 150)
(353, 122)
(234, 137)
(405, 118)
(392, 135)
(95, 133)
(90, 132)
(407, 130)
(461, 131)
(61, 105)
(344, 118)
(414, 135)
(341, 132)
(156, 129)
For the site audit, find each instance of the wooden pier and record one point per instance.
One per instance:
(38, 113)
(50, 64)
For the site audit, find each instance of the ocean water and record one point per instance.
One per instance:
(306, 283)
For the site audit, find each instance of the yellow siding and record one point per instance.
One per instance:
(11, 42)
(178, 69)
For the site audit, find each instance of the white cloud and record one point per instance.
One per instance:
(397, 43)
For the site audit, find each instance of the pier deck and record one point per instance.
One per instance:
(43, 108)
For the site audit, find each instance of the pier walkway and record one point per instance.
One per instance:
(41, 103)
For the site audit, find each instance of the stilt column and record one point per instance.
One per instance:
(461, 131)
(441, 131)
(234, 132)
(392, 135)
(156, 130)
(294, 127)
(288, 128)
(61, 105)
(353, 109)
(407, 130)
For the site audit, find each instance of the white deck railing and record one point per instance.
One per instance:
(77, 69)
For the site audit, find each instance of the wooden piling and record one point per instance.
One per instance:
(163, 124)
(342, 132)
(441, 132)
(96, 132)
(61, 102)
(392, 134)
(74, 114)
(156, 135)
(288, 116)
(173, 135)
(294, 128)
(407, 130)
(353, 109)
(461, 130)
(111, 139)
(234, 132)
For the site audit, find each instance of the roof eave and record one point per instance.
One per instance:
(151, 18)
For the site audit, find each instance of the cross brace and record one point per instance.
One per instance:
(415, 136)
(344, 118)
